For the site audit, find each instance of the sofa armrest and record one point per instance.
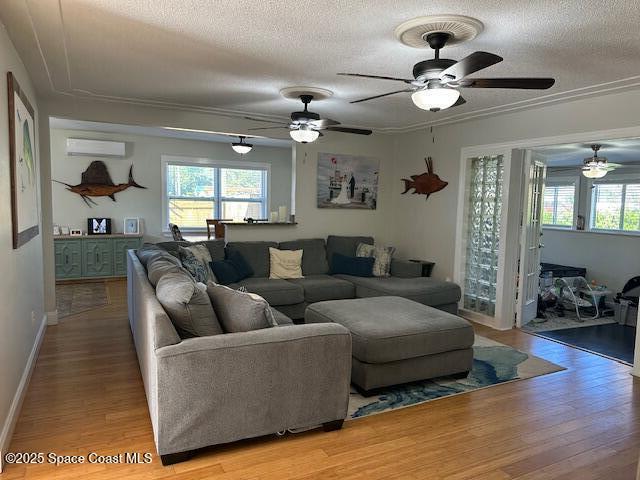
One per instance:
(228, 387)
(405, 268)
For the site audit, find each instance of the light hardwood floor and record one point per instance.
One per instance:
(86, 395)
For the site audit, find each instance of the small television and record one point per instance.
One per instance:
(98, 226)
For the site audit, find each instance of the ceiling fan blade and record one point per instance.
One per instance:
(357, 131)
(468, 65)
(260, 120)
(521, 83)
(379, 77)
(324, 122)
(383, 95)
(270, 128)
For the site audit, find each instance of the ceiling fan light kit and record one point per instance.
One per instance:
(304, 134)
(241, 147)
(435, 98)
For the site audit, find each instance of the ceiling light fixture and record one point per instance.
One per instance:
(594, 172)
(241, 147)
(435, 97)
(304, 134)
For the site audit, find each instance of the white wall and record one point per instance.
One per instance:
(426, 229)
(610, 259)
(145, 152)
(21, 284)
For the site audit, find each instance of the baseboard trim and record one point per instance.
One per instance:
(16, 403)
(52, 318)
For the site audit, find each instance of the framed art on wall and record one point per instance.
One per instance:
(23, 165)
(347, 181)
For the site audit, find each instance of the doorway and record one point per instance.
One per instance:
(579, 269)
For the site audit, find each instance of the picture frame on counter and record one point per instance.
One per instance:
(131, 226)
(64, 230)
(75, 232)
(56, 229)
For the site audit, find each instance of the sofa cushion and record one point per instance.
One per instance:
(161, 264)
(147, 251)
(255, 253)
(285, 264)
(216, 247)
(187, 305)
(344, 245)
(240, 311)
(314, 255)
(357, 266)
(387, 329)
(280, 318)
(318, 288)
(425, 290)
(274, 291)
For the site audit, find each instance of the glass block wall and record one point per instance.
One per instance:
(483, 233)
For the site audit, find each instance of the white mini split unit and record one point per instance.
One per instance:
(95, 148)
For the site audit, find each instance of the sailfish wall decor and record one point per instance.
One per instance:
(426, 183)
(96, 182)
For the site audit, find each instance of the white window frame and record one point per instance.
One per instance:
(562, 182)
(615, 179)
(218, 199)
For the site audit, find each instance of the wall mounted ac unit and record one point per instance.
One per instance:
(95, 148)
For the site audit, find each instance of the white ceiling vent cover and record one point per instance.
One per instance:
(413, 32)
(95, 148)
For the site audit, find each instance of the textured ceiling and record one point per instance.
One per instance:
(626, 151)
(233, 56)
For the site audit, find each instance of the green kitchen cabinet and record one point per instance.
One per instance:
(93, 256)
(68, 258)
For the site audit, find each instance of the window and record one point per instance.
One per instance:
(616, 206)
(197, 191)
(559, 204)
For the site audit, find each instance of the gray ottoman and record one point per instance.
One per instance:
(396, 340)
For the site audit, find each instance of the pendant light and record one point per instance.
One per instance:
(241, 147)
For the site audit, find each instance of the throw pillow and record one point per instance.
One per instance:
(187, 305)
(240, 311)
(225, 272)
(196, 259)
(382, 256)
(231, 270)
(285, 263)
(356, 266)
(242, 266)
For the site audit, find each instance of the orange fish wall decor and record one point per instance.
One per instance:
(426, 183)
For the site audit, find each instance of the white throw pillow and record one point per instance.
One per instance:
(382, 255)
(285, 263)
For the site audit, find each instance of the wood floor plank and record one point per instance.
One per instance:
(86, 395)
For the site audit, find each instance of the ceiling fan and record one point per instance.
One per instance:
(307, 126)
(595, 166)
(435, 82)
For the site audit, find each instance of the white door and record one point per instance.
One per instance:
(535, 170)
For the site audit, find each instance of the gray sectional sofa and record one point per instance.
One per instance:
(292, 297)
(216, 389)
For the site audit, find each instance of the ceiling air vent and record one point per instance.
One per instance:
(95, 148)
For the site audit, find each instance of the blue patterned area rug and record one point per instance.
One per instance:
(493, 363)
